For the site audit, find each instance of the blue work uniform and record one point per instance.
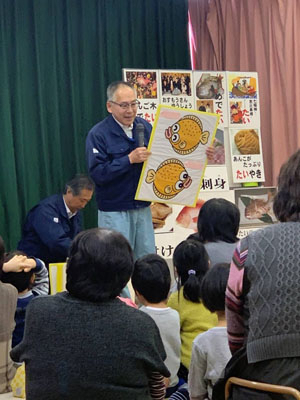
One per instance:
(116, 180)
(48, 231)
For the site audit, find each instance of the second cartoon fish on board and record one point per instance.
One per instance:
(186, 134)
(169, 179)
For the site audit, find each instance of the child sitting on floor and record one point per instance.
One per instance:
(191, 263)
(210, 352)
(30, 278)
(151, 281)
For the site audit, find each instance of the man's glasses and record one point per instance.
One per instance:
(125, 106)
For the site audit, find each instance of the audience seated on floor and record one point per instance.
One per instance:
(151, 281)
(191, 263)
(29, 276)
(218, 225)
(86, 343)
(8, 302)
(210, 352)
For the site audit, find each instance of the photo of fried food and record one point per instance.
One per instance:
(160, 212)
(247, 141)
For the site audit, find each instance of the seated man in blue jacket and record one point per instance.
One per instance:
(52, 224)
(116, 150)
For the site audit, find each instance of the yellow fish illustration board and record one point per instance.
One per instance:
(174, 171)
(186, 134)
(169, 179)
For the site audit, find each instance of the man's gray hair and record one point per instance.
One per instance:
(114, 86)
(78, 183)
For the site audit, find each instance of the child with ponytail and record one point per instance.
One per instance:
(191, 263)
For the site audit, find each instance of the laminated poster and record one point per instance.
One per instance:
(211, 93)
(216, 177)
(246, 155)
(180, 221)
(243, 99)
(145, 83)
(173, 173)
(256, 206)
(176, 88)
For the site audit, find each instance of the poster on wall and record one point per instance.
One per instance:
(211, 93)
(246, 155)
(233, 96)
(215, 179)
(216, 176)
(176, 88)
(174, 171)
(243, 99)
(245, 231)
(181, 222)
(145, 83)
(256, 205)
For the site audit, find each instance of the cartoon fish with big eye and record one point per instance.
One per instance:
(169, 179)
(186, 134)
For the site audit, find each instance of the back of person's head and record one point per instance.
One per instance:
(286, 204)
(99, 266)
(194, 236)
(191, 262)
(78, 183)
(213, 287)
(151, 278)
(20, 280)
(218, 220)
(114, 86)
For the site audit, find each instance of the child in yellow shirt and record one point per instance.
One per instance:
(191, 263)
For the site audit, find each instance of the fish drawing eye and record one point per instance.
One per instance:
(178, 185)
(175, 128)
(183, 176)
(175, 137)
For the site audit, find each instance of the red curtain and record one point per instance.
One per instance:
(262, 36)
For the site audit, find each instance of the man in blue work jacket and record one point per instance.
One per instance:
(52, 224)
(116, 150)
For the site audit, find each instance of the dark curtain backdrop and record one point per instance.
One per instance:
(57, 57)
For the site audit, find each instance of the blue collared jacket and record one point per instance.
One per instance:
(48, 232)
(116, 180)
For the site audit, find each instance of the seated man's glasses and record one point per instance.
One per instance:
(125, 106)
